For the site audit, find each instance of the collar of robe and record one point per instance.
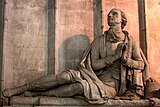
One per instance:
(114, 36)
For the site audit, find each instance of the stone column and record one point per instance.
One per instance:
(50, 30)
(1, 42)
(142, 26)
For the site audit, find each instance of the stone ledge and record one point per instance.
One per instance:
(18, 101)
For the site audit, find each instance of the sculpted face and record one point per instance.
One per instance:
(114, 17)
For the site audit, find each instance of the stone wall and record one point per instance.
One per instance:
(74, 32)
(24, 41)
(153, 38)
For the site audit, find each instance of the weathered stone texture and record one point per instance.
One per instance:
(74, 31)
(24, 41)
(79, 102)
(153, 38)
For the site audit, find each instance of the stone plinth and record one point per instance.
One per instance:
(19, 101)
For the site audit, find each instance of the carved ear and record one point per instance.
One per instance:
(124, 19)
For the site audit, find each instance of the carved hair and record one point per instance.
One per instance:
(124, 20)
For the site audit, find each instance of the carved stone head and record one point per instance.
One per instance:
(116, 16)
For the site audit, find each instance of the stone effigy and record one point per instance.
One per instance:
(113, 67)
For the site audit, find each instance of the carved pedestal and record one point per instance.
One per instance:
(19, 101)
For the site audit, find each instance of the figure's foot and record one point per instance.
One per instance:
(8, 92)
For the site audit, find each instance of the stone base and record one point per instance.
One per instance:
(19, 101)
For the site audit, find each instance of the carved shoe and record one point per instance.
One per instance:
(16, 91)
(7, 93)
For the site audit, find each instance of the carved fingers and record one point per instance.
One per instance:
(120, 49)
(124, 57)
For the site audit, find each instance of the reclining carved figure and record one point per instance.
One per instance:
(113, 66)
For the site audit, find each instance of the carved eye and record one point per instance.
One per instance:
(115, 13)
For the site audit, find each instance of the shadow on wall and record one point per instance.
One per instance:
(71, 51)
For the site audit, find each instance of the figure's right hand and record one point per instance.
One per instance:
(120, 48)
(118, 54)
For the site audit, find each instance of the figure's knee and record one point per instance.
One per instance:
(63, 78)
